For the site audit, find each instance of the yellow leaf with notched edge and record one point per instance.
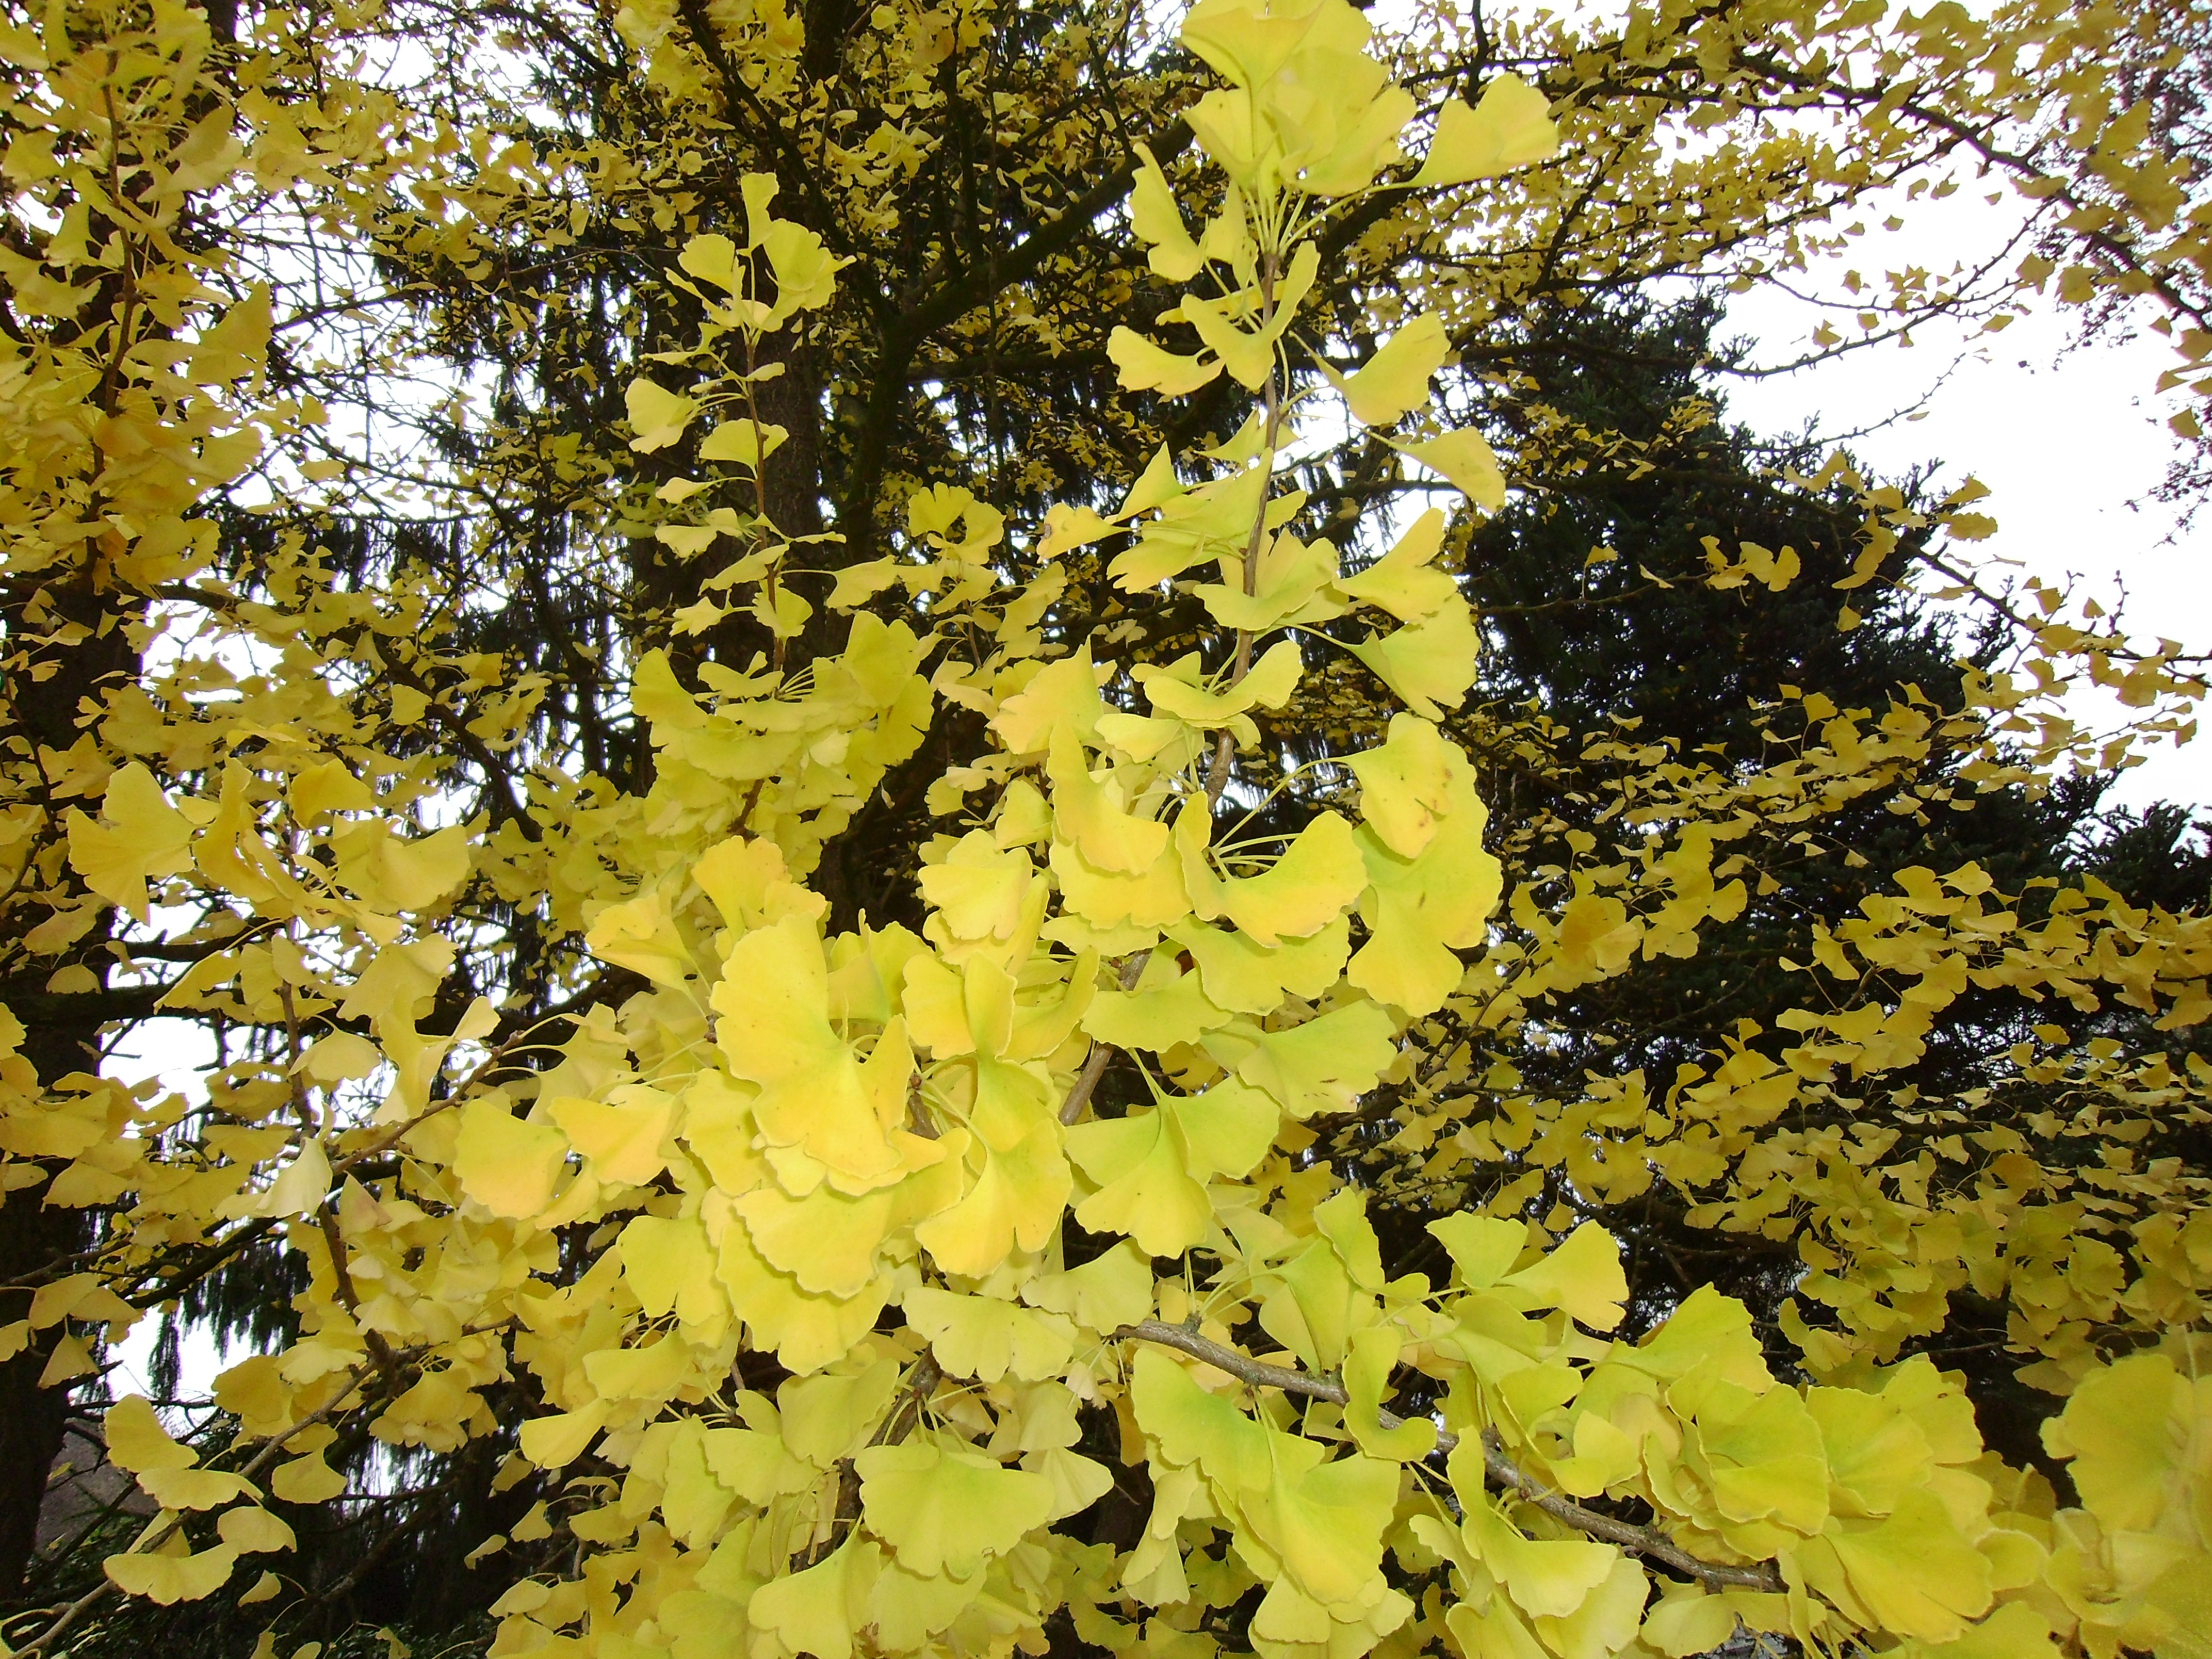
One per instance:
(1396, 378)
(742, 443)
(979, 887)
(506, 1163)
(805, 273)
(981, 1337)
(137, 1442)
(1158, 221)
(1510, 128)
(827, 1240)
(1144, 1188)
(1324, 1064)
(1367, 1371)
(806, 1331)
(621, 1138)
(1093, 812)
(1158, 1016)
(168, 1579)
(550, 1443)
(192, 1489)
(1325, 1521)
(1313, 881)
(1467, 460)
(1244, 976)
(774, 999)
(252, 1531)
(658, 416)
(1582, 1276)
(944, 1510)
(309, 1480)
(669, 1265)
(2126, 1428)
(1914, 1571)
(1111, 1289)
(1550, 1578)
(1429, 663)
(1145, 366)
(1404, 582)
(139, 836)
(1015, 1203)
(817, 1611)
(1411, 784)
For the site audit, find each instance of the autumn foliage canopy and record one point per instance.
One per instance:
(789, 703)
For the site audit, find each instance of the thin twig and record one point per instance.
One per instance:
(1501, 1470)
(1102, 1054)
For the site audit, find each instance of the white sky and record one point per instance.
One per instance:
(2070, 439)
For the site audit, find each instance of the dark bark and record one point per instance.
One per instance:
(43, 715)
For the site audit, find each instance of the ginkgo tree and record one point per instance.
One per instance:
(824, 1270)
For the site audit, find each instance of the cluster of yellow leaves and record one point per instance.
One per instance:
(791, 1132)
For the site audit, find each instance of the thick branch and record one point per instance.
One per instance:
(1502, 1471)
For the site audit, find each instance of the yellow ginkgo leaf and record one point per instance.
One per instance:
(1322, 1066)
(1015, 1203)
(1510, 127)
(1166, 1010)
(301, 1186)
(1403, 581)
(2124, 1428)
(253, 1531)
(1410, 784)
(979, 886)
(506, 1163)
(1111, 1289)
(1913, 1571)
(1467, 460)
(947, 1510)
(805, 273)
(671, 1267)
(818, 1610)
(1546, 1576)
(827, 1241)
(775, 1030)
(1144, 1189)
(1312, 884)
(658, 416)
(1249, 44)
(1093, 812)
(139, 836)
(1367, 1368)
(1145, 366)
(806, 1331)
(137, 1442)
(1244, 976)
(1325, 1520)
(1429, 663)
(1396, 378)
(192, 1489)
(620, 1137)
(167, 1579)
(1158, 221)
(309, 1480)
(742, 443)
(1420, 911)
(1193, 1427)
(986, 1339)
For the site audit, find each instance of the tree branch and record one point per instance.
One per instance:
(1501, 1471)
